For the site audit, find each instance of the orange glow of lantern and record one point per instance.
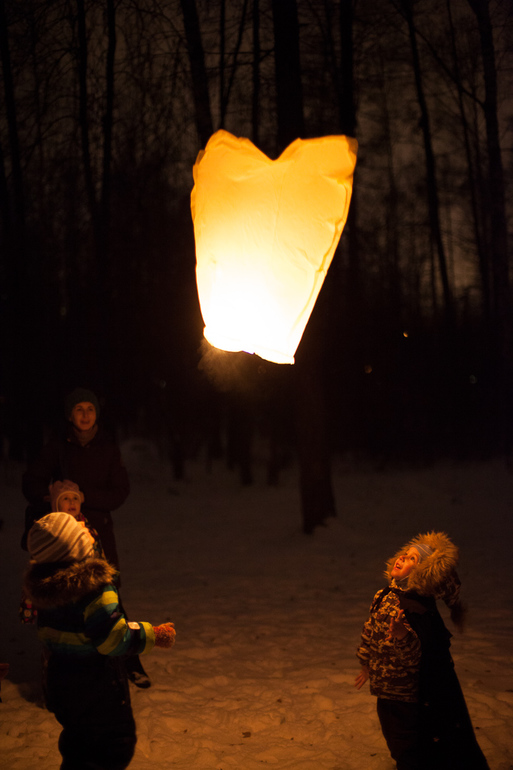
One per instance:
(266, 231)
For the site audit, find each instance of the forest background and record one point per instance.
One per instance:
(408, 355)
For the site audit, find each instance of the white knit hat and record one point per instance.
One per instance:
(58, 537)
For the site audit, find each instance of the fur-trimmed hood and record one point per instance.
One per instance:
(57, 584)
(436, 574)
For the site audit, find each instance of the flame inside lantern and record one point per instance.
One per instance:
(265, 233)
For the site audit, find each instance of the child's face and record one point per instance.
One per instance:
(83, 415)
(70, 503)
(405, 563)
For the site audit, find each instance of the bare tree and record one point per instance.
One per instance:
(289, 90)
(20, 332)
(225, 87)
(317, 497)
(430, 159)
(255, 103)
(472, 171)
(502, 299)
(204, 122)
(17, 212)
(100, 282)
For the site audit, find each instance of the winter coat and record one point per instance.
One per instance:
(87, 639)
(78, 612)
(446, 733)
(98, 470)
(393, 664)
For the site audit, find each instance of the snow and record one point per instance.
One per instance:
(267, 618)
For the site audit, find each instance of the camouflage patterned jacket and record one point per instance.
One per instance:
(393, 664)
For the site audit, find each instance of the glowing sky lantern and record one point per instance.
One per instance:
(266, 231)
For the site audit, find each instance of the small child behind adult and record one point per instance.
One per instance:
(66, 497)
(87, 638)
(404, 652)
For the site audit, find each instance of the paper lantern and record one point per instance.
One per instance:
(266, 231)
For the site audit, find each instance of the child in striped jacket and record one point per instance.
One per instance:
(87, 637)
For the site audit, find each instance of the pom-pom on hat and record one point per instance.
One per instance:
(78, 396)
(58, 537)
(60, 488)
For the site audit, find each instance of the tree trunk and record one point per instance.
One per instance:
(222, 45)
(317, 498)
(18, 208)
(289, 91)
(20, 325)
(479, 229)
(316, 488)
(103, 247)
(344, 279)
(226, 90)
(96, 343)
(255, 101)
(4, 196)
(204, 123)
(502, 300)
(107, 129)
(432, 189)
(346, 108)
(83, 108)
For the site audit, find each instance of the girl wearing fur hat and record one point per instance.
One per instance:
(404, 652)
(86, 638)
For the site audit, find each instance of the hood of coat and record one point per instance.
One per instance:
(57, 584)
(436, 574)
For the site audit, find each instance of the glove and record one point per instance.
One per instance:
(164, 635)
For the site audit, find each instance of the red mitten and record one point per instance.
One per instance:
(164, 635)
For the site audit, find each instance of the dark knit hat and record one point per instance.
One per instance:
(58, 537)
(77, 396)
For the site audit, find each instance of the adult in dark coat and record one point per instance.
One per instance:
(86, 455)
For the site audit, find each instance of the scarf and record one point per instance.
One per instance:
(84, 437)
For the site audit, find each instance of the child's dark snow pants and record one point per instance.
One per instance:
(91, 700)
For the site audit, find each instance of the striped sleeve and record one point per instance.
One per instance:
(109, 630)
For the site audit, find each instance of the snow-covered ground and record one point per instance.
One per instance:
(268, 619)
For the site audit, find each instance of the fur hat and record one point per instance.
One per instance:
(56, 585)
(435, 575)
(60, 488)
(78, 396)
(58, 537)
